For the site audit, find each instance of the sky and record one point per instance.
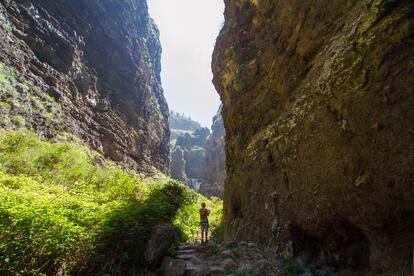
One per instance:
(188, 30)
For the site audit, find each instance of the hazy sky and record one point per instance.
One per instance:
(188, 32)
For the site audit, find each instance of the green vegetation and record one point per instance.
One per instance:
(188, 218)
(62, 214)
(21, 101)
(242, 272)
(293, 267)
(217, 233)
(236, 251)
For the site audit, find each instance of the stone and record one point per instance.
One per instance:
(178, 164)
(197, 156)
(302, 84)
(229, 264)
(362, 180)
(214, 160)
(187, 149)
(216, 270)
(229, 244)
(103, 76)
(197, 270)
(161, 238)
(243, 243)
(275, 224)
(172, 267)
(227, 254)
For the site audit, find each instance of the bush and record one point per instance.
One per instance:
(188, 216)
(217, 234)
(61, 213)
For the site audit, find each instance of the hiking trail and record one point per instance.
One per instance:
(227, 258)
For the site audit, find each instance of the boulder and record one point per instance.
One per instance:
(172, 267)
(161, 238)
(227, 254)
(228, 264)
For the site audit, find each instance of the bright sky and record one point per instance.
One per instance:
(188, 32)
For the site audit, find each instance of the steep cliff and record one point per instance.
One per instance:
(318, 109)
(187, 149)
(214, 160)
(89, 68)
(178, 164)
(197, 156)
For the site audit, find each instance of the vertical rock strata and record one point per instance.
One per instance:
(214, 160)
(318, 109)
(197, 156)
(90, 68)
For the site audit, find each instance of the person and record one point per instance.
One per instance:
(204, 213)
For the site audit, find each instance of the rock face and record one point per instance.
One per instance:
(317, 104)
(178, 165)
(214, 160)
(187, 140)
(89, 68)
(197, 156)
(191, 146)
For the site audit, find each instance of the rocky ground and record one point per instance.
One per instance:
(228, 258)
(232, 258)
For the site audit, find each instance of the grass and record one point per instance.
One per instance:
(188, 218)
(62, 214)
(20, 98)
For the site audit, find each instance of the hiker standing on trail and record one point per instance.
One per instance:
(204, 213)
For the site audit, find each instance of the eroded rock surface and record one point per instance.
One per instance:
(197, 156)
(214, 160)
(89, 68)
(318, 109)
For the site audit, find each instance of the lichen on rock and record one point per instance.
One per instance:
(317, 107)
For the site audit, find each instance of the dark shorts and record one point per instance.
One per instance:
(204, 226)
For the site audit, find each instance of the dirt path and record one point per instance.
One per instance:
(229, 258)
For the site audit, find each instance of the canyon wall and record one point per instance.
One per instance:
(197, 156)
(318, 110)
(214, 160)
(88, 68)
(187, 143)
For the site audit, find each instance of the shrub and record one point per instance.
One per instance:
(188, 216)
(61, 213)
(217, 234)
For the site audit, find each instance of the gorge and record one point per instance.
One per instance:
(312, 149)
